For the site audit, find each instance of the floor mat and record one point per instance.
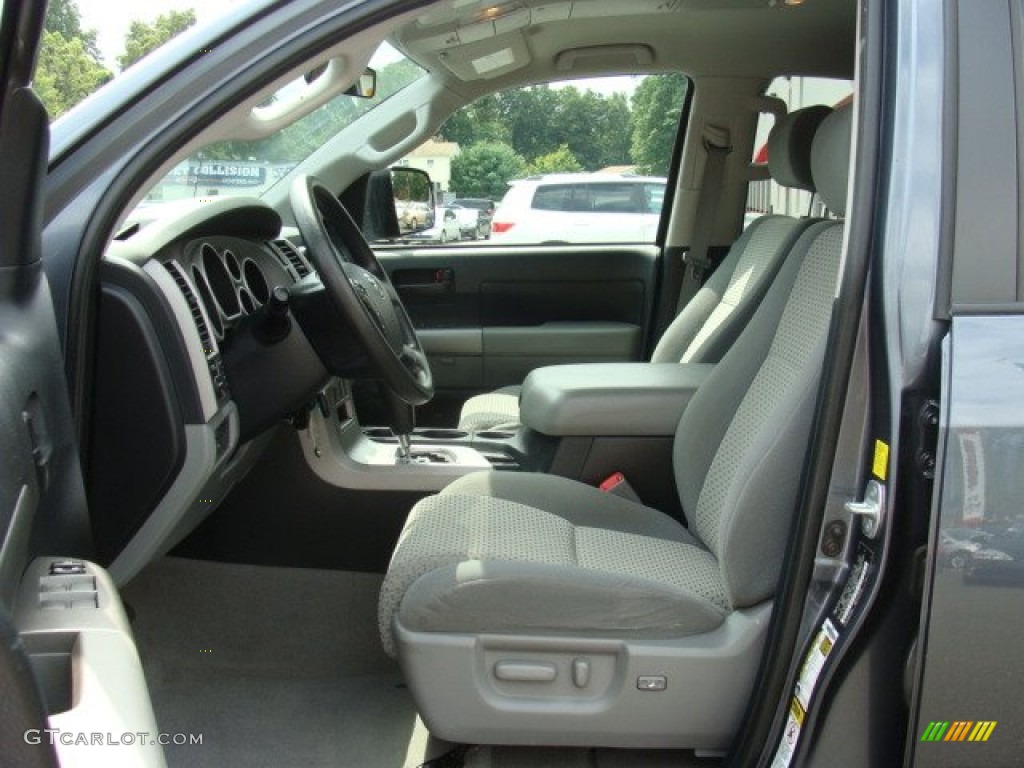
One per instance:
(357, 721)
(274, 667)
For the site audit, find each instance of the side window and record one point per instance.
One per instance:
(582, 161)
(559, 197)
(617, 198)
(654, 195)
(766, 196)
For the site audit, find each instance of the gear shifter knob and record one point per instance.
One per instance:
(402, 420)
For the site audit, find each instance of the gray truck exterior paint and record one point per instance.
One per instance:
(972, 654)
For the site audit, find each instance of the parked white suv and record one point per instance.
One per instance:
(580, 208)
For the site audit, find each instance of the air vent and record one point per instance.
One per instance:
(193, 306)
(213, 361)
(292, 258)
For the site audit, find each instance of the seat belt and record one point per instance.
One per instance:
(717, 147)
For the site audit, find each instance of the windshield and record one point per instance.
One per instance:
(229, 168)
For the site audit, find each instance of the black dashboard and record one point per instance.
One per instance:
(187, 385)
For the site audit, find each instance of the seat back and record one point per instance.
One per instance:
(711, 321)
(741, 442)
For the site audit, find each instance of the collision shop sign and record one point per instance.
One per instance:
(227, 174)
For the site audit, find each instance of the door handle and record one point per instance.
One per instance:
(425, 289)
(425, 283)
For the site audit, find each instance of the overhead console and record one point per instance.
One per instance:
(481, 42)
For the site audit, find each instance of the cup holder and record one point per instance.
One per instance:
(495, 434)
(441, 434)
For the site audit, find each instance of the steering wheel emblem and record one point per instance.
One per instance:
(373, 284)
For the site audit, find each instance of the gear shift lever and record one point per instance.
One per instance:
(402, 422)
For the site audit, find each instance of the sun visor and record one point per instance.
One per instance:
(487, 59)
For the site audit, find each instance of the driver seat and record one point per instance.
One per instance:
(533, 609)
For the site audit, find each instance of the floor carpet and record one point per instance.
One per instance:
(274, 667)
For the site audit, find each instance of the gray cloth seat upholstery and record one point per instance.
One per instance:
(563, 567)
(496, 537)
(710, 322)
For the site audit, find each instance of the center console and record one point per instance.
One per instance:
(580, 421)
(610, 399)
(345, 453)
(609, 418)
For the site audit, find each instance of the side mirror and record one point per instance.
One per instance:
(414, 199)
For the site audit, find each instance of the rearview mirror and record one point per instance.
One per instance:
(366, 86)
(414, 199)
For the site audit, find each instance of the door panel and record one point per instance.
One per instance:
(42, 505)
(41, 498)
(488, 315)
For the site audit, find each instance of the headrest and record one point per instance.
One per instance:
(830, 158)
(789, 147)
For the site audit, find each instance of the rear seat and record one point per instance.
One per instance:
(708, 325)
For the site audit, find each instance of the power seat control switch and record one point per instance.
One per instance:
(651, 683)
(68, 585)
(67, 568)
(580, 673)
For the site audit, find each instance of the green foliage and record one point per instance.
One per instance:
(656, 106)
(64, 18)
(143, 38)
(484, 170)
(594, 127)
(480, 122)
(538, 120)
(562, 160)
(69, 66)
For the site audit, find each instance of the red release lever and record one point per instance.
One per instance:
(611, 482)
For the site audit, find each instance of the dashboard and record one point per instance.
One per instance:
(189, 383)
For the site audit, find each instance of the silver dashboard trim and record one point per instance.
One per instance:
(183, 317)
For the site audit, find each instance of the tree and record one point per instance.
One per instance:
(69, 67)
(656, 106)
(593, 126)
(143, 38)
(481, 121)
(612, 134)
(65, 73)
(535, 121)
(532, 118)
(64, 18)
(484, 170)
(562, 160)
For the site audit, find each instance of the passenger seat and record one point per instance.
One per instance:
(708, 325)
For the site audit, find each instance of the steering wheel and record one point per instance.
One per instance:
(360, 290)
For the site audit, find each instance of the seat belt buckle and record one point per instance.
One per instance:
(617, 485)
